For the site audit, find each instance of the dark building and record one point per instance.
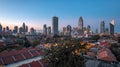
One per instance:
(0, 27)
(26, 29)
(88, 29)
(102, 27)
(80, 25)
(32, 31)
(23, 26)
(112, 27)
(7, 28)
(96, 31)
(55, 25)
(45, 29)
(15, 29)
(69, 29)
(21, 30)
(49, 30)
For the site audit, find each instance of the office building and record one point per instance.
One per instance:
(102, 27)
(112, 27)
(0, 27)
(45, 29)
(49, 30)
(55, 25)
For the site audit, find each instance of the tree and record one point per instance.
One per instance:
(26, 43)
(65, 54)
(35, 43)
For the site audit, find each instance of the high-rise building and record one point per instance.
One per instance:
(7, 28)
(0, 27)
(49, 30)
(45, 29)
(26, 29)
(69, 29)
(32, 31)
(88, 29)
(96, 31)
(80, 24)
(15, 29)
(112, 27)
(55, 25)
(106, 31)
(102, 27)
(23, 26)
(21, 30)
(3, 29)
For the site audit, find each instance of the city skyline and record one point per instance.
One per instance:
(39, 12)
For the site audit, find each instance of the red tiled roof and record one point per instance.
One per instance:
(1, 61)
(34, 53)
(106, 54)
(18, 57)
(8, 60)
(27, 55)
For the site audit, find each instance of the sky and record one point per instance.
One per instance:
(36, 13)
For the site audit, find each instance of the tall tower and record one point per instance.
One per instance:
(45, 29)
(102, 27)
(69, 30)
(96, 31)
(80, 24)
(15, 29)
(49, 30)
(7, 28)
(23, 26)
(88, 29)
(26, 29)
(0, 27)
(55, 25)
(112, 27)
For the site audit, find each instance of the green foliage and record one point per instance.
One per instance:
(35, 43)
(116, 51)
(0, 36)
(64, 55)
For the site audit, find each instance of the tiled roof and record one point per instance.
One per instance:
(8, 57)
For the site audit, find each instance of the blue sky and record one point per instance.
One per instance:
(35, 13)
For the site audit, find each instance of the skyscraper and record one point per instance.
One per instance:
(88, 29)
(0, 27)
(102, 27)
(112, 27)
(45, 29)
(32, 31)
(23, 26)
(80, 24)
(106, 31)
(21, 30)
(49, 30)
(55, 25)
(26, 29)
(15, 29)
(7, 28)
(3, 29)
(96, 31)
(69, 29)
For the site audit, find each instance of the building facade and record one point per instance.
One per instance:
(112, 27)
(102, 27)
(55, 25)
